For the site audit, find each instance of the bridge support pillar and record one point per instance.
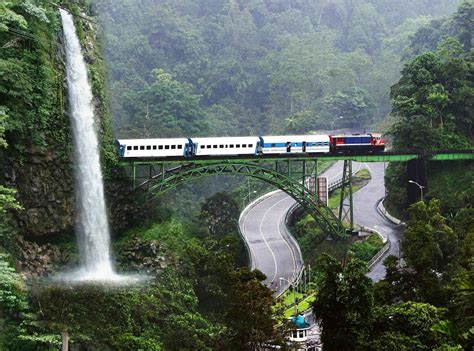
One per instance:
(345, 207)
(303, 179)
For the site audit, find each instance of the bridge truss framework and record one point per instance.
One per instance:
(289, 174)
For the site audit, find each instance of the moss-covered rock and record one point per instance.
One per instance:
(38, 160)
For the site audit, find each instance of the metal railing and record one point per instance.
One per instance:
(382, 251)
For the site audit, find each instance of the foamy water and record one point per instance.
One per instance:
(92, 227)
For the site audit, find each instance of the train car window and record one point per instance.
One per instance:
(273, 145)
(173, 147)
(250, 145)
(148, 147)
(160, 147)
(221, 146)
(142, 147)
(135, 148)
(214, 146)
(208, 146)
(167, 147)
(129, 148)
(231, 146)
(237, 146)
(180, 147)
(154, 147)
(203, 146)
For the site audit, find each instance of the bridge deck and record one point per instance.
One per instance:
(449, 155)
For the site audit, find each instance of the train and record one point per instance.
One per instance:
(251, 145)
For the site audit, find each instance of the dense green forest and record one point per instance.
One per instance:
(237, 67)
(426, 300)
(199, 286)
(432, 110)
(223, 67)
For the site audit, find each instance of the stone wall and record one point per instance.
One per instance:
(126, 207)
(45, 189)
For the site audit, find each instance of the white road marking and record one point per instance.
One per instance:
(266, 242)
(286, 241)
(366, 165)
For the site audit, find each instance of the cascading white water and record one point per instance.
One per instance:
(92, 227)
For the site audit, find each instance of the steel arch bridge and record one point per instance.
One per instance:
(287, 175)
(290, 174)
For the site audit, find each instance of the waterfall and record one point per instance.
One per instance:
(92, 228)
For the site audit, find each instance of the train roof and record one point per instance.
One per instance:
(152, 141)
(249, 139)
(354, 135)
(296, 138)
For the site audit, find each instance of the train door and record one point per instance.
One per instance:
(122, 149)
(288, 146)
(189, 148)
(304, 146)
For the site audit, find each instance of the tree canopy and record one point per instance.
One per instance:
(258, 66)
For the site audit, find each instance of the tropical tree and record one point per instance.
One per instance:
(429, 100)
(428, 243)
(354, 105)
(166, 108)
(405, 326)
(220, 214)
(250, 316)
(343, 304)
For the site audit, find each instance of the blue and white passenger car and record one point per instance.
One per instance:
(282, 144)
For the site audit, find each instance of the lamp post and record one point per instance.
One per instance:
(332, 123)
(419, 186)
(294, 293)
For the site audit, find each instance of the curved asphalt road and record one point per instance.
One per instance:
(366, 214)
(272, 250)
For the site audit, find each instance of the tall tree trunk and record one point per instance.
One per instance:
(65, 340)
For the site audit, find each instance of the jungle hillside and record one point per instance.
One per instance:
(181, 68)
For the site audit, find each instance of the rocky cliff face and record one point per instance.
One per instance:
(44, 181)
(42, 172)
(35, 260)
(45, 186)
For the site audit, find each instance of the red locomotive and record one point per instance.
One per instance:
(372, 143)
